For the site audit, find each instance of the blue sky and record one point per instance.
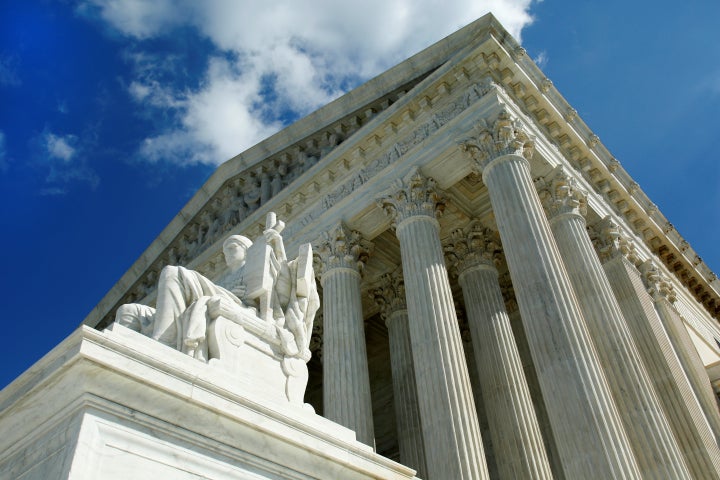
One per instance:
(113, 112)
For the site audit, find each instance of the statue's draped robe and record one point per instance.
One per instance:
(183, 295)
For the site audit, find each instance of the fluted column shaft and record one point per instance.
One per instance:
(516, 437)
(451, 432)
(648, 430)
(450, 424)
(407, 411)
(663, 295)
(585, 421)
(346, 381)
(681, 407)
(390, 297)
(488, 447)
(691, 361)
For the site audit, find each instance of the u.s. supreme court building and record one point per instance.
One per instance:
(497, 299)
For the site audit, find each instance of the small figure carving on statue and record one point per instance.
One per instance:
(261, 291)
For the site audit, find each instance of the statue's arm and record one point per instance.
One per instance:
(226, 306)
(274, 239)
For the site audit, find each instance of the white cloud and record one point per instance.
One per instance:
(136, 18)
(302, 52)
(60, 147)
(542, 59)
(62, 163)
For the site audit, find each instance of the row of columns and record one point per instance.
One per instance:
(613, 413)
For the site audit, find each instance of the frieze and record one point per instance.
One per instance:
(397, 150)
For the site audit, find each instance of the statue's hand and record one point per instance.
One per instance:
(271, 235)
(220, 306)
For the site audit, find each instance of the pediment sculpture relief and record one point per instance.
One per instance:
(255, 320)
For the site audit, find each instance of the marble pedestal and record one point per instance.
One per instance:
(118, 405)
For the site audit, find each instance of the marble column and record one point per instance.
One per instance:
(389, 294)
(648, 430)
(346, 382)
(663, 294)
(516, 437)
(585, 421)
(469, 351)
(693, 433)
(450, 426)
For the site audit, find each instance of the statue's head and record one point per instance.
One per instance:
(235, 249)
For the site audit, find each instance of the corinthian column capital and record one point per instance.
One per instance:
(611, 241)
(389, 294)
(472, 246)
(414, 195)
(341, 247)
(560, 194)
(495, 138)
(657, 284)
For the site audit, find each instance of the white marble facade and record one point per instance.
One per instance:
(458, 181)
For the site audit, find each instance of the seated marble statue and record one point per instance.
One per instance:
(260, 287)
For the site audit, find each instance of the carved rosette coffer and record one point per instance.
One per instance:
(389, 294)
(472, 246)
(657, 285)
(341, 247)
(611, 242)
(502, 136)
(560, 194)
(414, 195)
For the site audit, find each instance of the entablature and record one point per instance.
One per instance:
(318, 175)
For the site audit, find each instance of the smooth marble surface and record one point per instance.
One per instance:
(116, 404)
